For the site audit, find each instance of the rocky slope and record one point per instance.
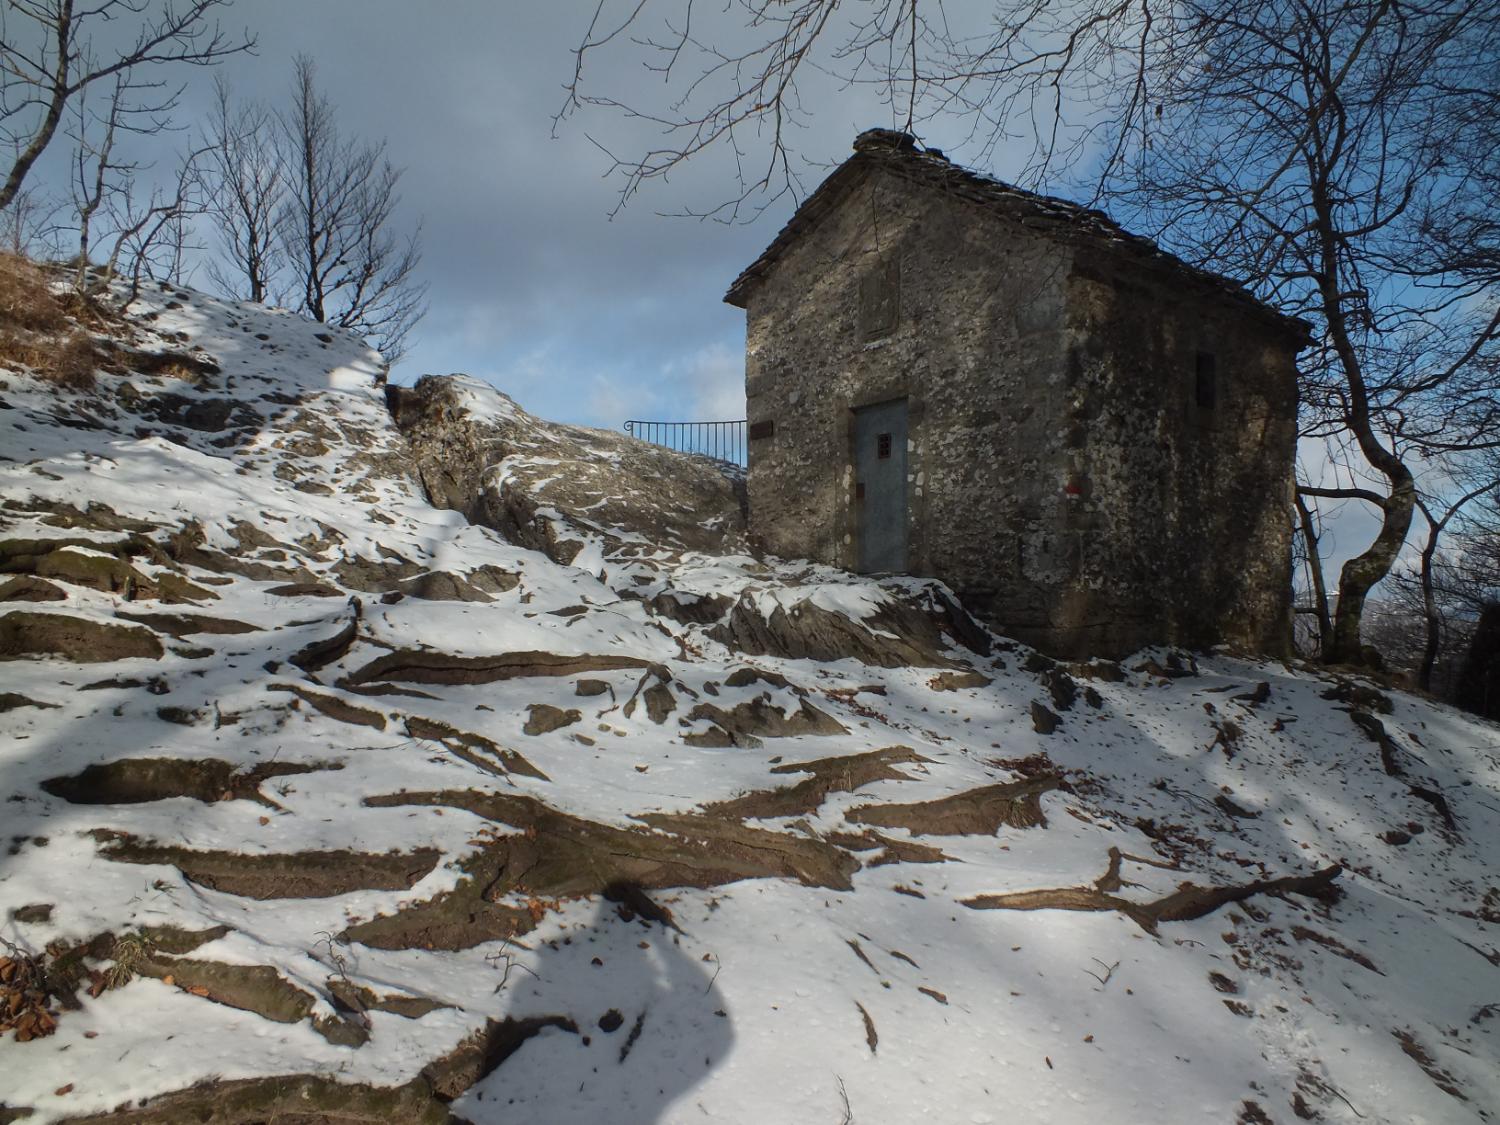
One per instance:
(382, 755)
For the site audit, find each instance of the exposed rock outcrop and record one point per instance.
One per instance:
(479, 453)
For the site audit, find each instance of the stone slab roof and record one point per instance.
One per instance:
(1059, 219)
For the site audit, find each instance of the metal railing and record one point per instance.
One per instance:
(723, 441)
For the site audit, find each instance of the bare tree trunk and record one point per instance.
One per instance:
(57, 98)
(246, 179)
(309, 118)
(1315, 570)
(1363, 571)
(336, 228)
(90, 196)
(1430, 609)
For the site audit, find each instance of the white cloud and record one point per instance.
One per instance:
(716, 380)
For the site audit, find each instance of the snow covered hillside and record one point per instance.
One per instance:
(407, 758)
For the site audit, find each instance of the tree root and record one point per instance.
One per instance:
(475, 749)
(1375, 731)
(1189, 901)
(138, 780)
(417, 667)
(320, 654)
(556, 855)
(335, 708)
(300, 1097)
(829, 775)
(276, 875)
(979, 812)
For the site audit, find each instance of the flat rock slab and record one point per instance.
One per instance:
(289, 875)
(977, 812)
(544, 718)
(24, 634)
(422, 667)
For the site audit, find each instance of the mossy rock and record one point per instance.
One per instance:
(137, 780)
(278, 875)
(977, 812)
(21, 555)
(250, 988)
(25, 588)
(24, 634)
(543, 718)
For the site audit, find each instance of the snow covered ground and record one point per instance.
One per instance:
(301, 775)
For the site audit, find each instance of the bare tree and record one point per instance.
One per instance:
(247, 189)
(1311, 603)
(1438, 520)
(47, 58)
(348, 265)
(151, 238)
(96, 171)
(740, 78)
(29, 225)
(106, 196)
(1425, 616)
(1307, 141)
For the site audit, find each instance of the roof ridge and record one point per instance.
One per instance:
(902, 153)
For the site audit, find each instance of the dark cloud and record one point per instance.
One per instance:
(533, 286)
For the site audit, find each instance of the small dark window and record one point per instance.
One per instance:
(764, 429)
(1206, 384)
(883, 447)
(880, 299)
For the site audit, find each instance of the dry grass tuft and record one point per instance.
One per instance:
(33, 320)
(27, 302)
(73, 362)
(69, 362)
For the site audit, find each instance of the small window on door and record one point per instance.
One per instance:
(883, 447)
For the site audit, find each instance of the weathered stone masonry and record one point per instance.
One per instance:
(1100, 437)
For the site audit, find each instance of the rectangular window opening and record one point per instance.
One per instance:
(880, 300)
(883, 447)
(1206, 389)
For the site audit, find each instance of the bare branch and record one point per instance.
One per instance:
(36, 85)
(335, 227)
